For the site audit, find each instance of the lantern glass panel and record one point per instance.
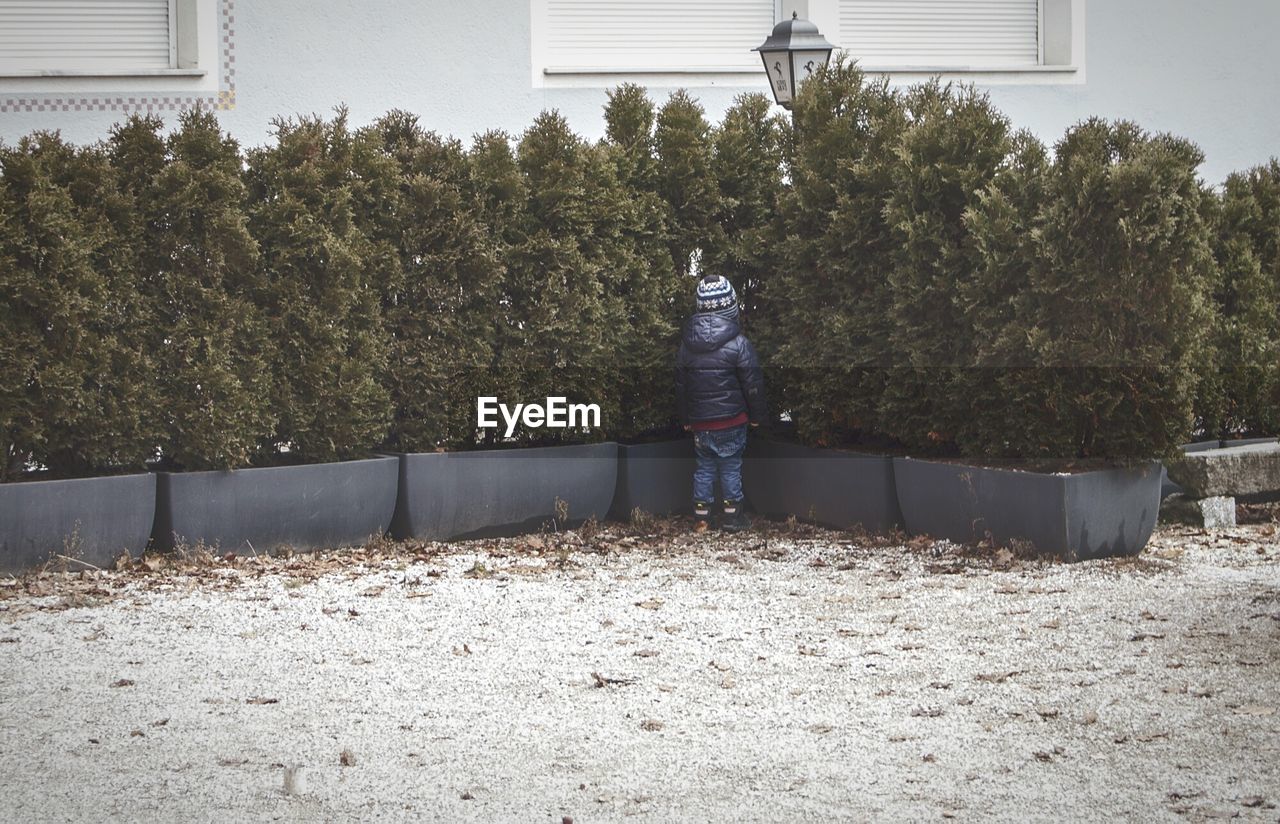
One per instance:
(808, 62)
(778, 67)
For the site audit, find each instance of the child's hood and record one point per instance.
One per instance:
(708, 331)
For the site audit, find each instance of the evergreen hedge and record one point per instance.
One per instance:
(831, 299)
(206, 335)
(76, 381)
(1241, 395)
(439, 278)
(652, 289)
(954, 144)
(321, 293)
(914, 272)
(1118, 302)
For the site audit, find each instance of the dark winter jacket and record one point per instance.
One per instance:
(718, 375)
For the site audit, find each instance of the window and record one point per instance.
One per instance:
(592, 42)
(97, 37)
(121, 55)
(655, 36)
(942, 33)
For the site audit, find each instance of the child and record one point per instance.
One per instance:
(719, 390)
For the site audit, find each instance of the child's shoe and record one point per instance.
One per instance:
(701, 515)
(734, 520)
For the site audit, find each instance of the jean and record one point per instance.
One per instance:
(719, 452)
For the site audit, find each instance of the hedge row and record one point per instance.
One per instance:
(341, 290)
(914, 271)
(957, 288)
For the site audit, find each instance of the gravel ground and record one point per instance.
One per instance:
(649, 674)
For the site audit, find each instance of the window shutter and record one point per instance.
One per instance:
(942, 33)
(657, 34)
(84, 35)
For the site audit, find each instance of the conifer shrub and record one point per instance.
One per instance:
(1000, 388)
(1117, 302)
(563, 262)
(321, 293)
(501, 199)
(205, 334)
(747, 167)
(686, 179)
(654, 294)
(439, 276)
(75, 380)
(831, 300)
(1241, 391)
(954, 145)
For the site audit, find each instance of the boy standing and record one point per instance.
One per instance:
(719, 391)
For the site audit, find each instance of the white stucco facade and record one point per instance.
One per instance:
(1206, 71)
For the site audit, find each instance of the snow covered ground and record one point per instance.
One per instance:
(649, 675)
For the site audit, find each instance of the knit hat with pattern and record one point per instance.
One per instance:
(715, 293)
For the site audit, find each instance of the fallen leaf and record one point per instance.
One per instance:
(604, 681)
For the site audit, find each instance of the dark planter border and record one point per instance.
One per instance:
(831, 487)
(492, 493)
(313, 506)
(1076, 517)
(93, 519)
(656, 478)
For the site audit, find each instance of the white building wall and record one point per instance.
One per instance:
(1207, 71)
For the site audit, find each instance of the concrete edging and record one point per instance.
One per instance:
(92, 519)
(501, 492)
(1076, 517)
(310, 506)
